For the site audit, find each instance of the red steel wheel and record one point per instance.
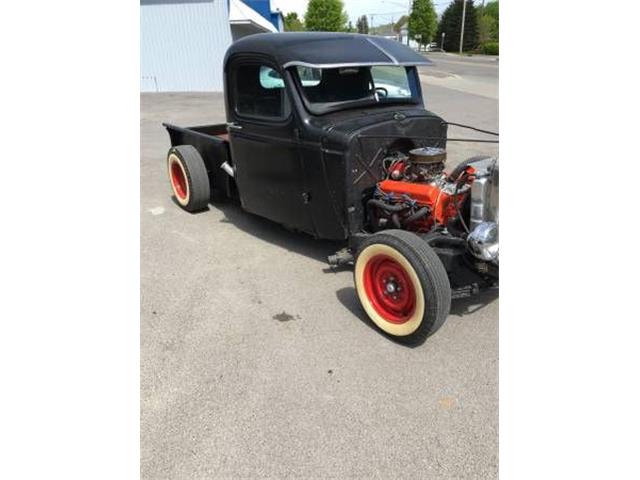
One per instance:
(389, 288)
(178, 180)
(402, 285)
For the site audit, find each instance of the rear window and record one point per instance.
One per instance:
(335, 84)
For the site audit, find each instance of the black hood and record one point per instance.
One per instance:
(354, 144)
(366, 131)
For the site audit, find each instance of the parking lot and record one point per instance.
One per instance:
(257, 360)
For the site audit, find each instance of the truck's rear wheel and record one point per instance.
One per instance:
(402, 285)
(188, 177)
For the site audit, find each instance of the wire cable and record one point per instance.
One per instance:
(471, 128)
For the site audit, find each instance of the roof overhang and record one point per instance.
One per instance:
(295, 63)
(241, 14)
(391, 59)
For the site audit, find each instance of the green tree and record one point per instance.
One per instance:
(486, 29)
(362, 24)
(325, 16)
(492, 9)
(350, 28)
(292, 23)
(451, 23)
(423, 21)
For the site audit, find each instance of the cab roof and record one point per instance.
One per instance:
(327, 49)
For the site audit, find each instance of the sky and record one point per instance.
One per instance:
(384, 11)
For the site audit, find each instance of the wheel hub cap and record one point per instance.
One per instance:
(389, 288)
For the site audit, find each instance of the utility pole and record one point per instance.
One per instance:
(442, 43)
(464, 11)
(409, 9)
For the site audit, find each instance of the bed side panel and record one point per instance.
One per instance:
(213, 146)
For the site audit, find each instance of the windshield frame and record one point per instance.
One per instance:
(373, 100)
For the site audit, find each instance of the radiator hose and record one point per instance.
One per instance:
(387, 207)
(416, 216)
(393, 210)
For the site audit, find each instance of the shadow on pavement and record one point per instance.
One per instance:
(349, 299)
(465, 306)
(177, 204)
(277, 234)
(304, 244)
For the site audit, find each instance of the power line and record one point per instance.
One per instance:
(385, 13)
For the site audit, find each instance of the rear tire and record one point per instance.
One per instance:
(188, 177)
(402, 285)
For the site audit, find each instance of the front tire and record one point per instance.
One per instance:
(188, 177)
(402, 285)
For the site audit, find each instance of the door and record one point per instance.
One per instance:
(264, 145)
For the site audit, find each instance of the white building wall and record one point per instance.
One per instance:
(403, 38)
(182, 44)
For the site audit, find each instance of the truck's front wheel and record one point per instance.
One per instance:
(188, 177)
(402, 285)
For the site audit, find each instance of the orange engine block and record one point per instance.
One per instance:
(440, 203)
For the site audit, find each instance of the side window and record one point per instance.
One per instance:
(259, 92)
(393, 80)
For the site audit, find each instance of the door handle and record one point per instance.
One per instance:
(234, 126)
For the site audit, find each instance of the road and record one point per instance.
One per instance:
(257, 360)
(475, 75)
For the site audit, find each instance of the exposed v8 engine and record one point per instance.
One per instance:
(417, 194)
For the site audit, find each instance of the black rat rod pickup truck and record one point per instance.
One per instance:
(327, 134)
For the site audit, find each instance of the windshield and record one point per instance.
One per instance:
(331, 89)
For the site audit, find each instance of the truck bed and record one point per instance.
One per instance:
(216, 132)
(212, 142)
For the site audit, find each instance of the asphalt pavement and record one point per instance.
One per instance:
(257, 360)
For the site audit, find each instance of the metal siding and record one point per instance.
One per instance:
(182, 44)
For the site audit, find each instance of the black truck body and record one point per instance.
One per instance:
(312, 183)
(302, 149)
